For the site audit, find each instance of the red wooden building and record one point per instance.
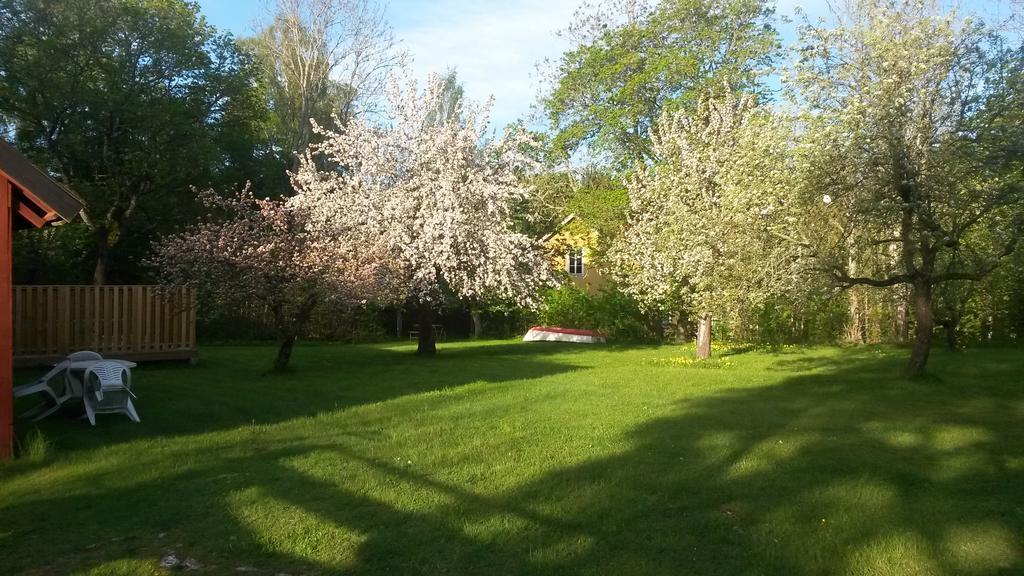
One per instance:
(29, 199)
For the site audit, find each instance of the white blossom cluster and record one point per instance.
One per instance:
(436, 192)
(700, 234)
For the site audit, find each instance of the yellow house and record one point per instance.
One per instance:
(571, 247)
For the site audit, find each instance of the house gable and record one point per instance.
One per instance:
(570, 250)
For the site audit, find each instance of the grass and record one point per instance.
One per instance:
(512, 458)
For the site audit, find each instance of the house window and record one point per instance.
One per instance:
(574, 263)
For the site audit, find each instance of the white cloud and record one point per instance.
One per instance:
(494, 46)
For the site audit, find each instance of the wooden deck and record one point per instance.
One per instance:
(128, 322)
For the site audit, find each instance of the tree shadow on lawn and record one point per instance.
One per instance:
(231, 387)
(847, 470)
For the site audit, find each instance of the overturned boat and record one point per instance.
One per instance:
(557, 334)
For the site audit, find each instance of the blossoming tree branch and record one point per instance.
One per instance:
(260, 254)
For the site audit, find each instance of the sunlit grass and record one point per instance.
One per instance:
(513, 458)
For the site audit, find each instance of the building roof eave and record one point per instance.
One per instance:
(52, 198)
(561, 225)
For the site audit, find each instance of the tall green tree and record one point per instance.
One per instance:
(632, 61)
(130, 102)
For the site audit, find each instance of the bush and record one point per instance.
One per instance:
(610, 311)
(337, 323)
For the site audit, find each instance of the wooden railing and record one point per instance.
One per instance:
(128, 322)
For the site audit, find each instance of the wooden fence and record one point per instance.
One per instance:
(127, 322)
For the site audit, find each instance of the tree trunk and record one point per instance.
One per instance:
(284, 353)
(951, 339)
(855, 329)
(657, 326)
(478, 325)
(925, 319)
(950, 323)
(289, 329)
(99, 275)
(902, 324)
(681, 326)
(704, 336)
(426, 346)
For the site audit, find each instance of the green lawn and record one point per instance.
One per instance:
(512, 458)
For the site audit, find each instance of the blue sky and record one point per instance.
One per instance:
(494, 45)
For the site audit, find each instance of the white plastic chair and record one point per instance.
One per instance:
(55, 400)
(84, 355)
(71, 384)
(111, 393)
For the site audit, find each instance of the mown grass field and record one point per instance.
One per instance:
(513, 458)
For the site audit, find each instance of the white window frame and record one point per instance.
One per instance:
(580, 261)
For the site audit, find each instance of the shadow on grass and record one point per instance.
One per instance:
(846, 470)
(849, 471)
(177, 399)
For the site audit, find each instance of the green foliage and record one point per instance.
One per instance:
(331, 321)
(568, 307)
(143, 99)
(597, 198)
(993, 309)
(601, 204)
(52, 255)
(811, 318)
(548, 203)
(629, 68)
(609, 312)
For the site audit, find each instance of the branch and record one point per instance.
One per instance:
(885, 241)
(1008, 249)
(843, 278)
(961, 275)
(792, 240)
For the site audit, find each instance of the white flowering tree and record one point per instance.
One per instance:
(907, 177)
(439, 193)
(259, 252)
(700, 236)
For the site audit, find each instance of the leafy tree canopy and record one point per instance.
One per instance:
(130, 102)
(633, 61)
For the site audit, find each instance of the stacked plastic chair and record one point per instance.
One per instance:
(108, 390)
